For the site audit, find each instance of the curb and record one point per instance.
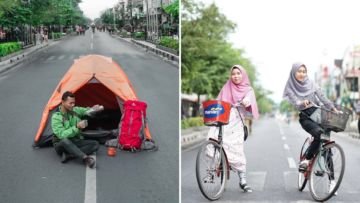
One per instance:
(193, 136)
(14, 59)
(18, 58)
(174, 59)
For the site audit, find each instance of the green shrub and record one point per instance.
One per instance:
(56, 35)
(169, 42)
(192, 122)
(139, 35)
(9, 47)
(124, 34)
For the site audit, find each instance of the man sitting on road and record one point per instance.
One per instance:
(66, 124)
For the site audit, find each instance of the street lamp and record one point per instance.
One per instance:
(114, 17)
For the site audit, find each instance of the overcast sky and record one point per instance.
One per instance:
(93, 8)
(277, 33)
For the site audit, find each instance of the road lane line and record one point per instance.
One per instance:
(283, 138)
(90, 184)
(291, 162)
(286, 147)
(50, 58)
(61, 57)
(91, 46)
(281, 131)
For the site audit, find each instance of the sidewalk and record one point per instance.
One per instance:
(13, 59)
(149, 47)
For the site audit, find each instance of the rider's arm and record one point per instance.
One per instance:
(295, 101)
(323, 99)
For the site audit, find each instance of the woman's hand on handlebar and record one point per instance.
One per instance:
(306, 103)
(336, 111)
(244, 103)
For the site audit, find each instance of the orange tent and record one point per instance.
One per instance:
(94, 79)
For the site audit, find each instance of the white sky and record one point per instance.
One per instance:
(277, 33)
(93, 8)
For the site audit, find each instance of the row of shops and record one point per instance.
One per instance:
(340, 80)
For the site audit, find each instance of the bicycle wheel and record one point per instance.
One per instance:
(211, 170)
(329, 165)
(302, 176)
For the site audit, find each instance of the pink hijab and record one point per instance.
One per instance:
(232, 93)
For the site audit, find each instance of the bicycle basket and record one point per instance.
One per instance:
(335, 121)
(216, 112)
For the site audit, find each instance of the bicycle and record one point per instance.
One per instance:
(323, 167)
(212, 166)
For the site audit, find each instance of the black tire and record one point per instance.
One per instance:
(326, 156)
(302, 176)
(213, 175)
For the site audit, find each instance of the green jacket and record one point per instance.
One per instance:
(64, 124)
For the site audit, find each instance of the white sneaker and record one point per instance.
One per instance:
(331, 186)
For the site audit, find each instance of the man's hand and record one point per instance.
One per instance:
(81, 124)
(98, 107)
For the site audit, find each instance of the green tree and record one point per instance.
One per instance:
(285, 106)
(207, 56)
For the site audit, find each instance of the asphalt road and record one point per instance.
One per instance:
(37, 175)
(272, 156)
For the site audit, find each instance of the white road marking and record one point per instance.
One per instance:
(50, 58)
(286, 147)
(281, 131)
(292, 163)
(61, 57)
(90, 184)
(283, 138)
(91, 46)
(257, 180)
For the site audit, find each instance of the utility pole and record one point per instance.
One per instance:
(114, 17)
(147, 19)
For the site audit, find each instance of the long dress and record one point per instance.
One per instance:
(233, 140)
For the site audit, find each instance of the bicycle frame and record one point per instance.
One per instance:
(219, 141)
(316, 159)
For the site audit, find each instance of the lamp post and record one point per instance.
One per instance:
(114, 17)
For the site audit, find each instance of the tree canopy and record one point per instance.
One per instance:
(207, 56)
(38, 12)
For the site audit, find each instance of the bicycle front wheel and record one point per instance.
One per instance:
(302, 176)
(211, 170)
(327, 172)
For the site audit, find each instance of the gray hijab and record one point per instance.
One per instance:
(299, 89)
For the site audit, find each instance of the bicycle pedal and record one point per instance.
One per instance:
(319, 173)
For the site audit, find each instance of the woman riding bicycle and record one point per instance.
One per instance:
(304, 95)
(239, 93)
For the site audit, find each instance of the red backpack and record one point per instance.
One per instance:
(132, 125)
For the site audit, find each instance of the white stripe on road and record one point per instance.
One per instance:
(291, 162)
(50, 58)
(281, 131)
(61, 57)
(90, 184)
(286, 147)
(91, 46)
(283, 138)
